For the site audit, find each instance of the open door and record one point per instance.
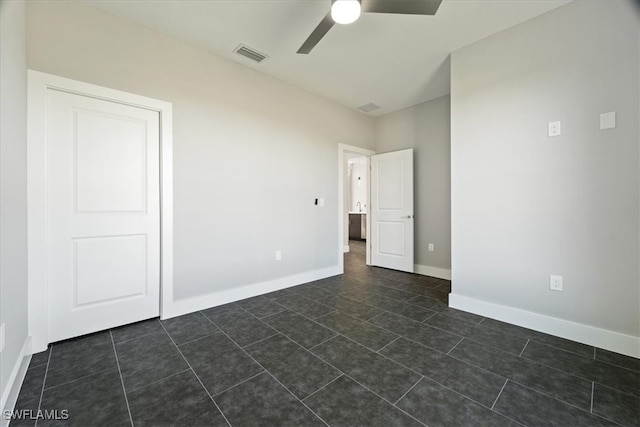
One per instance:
(391, 210)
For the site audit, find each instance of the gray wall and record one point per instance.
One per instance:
(426, 129)
(251, 153)
(525, 206)
(13, 191)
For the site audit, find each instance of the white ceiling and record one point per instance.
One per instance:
(394, 61)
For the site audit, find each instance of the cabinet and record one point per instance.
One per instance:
(357, 226)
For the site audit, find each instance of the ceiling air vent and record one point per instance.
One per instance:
(367, 108)
(252, 54)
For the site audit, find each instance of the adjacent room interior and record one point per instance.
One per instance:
(248, 213)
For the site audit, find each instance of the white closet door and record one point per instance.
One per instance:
(103, 213)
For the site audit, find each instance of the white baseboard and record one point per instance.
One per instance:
(346, 249)
(602, 338)
(185, 306)
(12, 389)
(426, 270)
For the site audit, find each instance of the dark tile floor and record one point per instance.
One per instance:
(372, 347)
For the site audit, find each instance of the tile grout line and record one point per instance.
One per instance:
(410, 388)
(317, 345)
(411, 339)
(196, 375)
(593, 386)
(499, 394)
(577, 375)
(263, 339)
(524, 348)
(376, 394)
(569, 404)
(44, 381)
(158, 381)
(452, 348)
(388, 344)
(558, 399)
(271, 375)
(527, 336)
(326, 385)
(544, 393)
(272, 314)
(619, 367)
(199, 338)
(124, 390)
(430, 316)
(102, 371)
(238, 384)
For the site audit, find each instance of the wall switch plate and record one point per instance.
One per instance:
(278, 255)
(608, 120)
(555, 282)
(431, 248)
(555, 129)
(2, 337)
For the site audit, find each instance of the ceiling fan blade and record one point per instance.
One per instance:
(405, 7)
(323, 27)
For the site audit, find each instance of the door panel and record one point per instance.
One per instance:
(121, 262)
(103, 212)
(110, 161)
(392, 210)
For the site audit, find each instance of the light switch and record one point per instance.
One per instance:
(321, 203)
(608, 120)
(555, 129)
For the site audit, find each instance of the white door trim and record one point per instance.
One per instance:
(38, 85)
(341, 156)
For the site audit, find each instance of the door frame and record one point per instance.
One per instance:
(38, 85)
(342, 149)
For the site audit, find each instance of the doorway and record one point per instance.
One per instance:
(357, 200)
(353, 201)
(388, 223)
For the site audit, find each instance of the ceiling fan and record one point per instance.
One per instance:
(348, 11)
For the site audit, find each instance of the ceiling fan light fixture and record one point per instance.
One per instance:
(345, 11)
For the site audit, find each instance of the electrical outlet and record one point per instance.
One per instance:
(555, 282)
(431, 247)
(278, 255)
(2, 337)
(555, 129)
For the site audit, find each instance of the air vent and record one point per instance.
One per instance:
(252, 54)
(368, 107)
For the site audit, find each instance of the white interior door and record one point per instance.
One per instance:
(391, 210)
(103, 214)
